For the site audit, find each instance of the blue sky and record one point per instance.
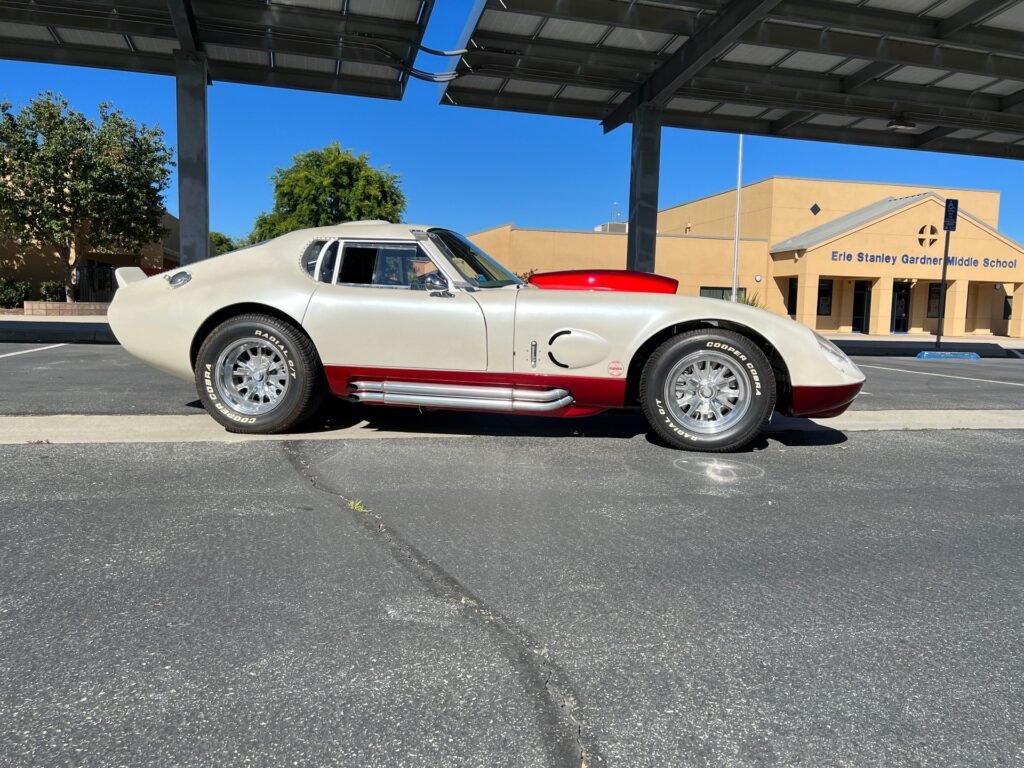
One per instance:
(470, 169)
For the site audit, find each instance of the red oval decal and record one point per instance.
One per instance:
(614, 368)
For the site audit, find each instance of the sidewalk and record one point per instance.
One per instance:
(908, 345)
(83, 329)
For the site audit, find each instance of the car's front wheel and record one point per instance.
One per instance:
(708, 390)
(257, 374)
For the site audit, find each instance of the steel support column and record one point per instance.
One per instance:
(193, 153)
(644, 167)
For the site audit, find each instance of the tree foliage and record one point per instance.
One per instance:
(14, 293)
(221, 243)
(73, 185)
(329, 186)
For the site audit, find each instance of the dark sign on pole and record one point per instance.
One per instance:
(951, 209)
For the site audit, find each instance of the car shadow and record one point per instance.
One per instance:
(340, 415)
(624, 425)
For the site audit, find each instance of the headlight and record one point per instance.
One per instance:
(837, 357)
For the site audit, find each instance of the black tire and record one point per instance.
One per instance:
(296, 369)
(711, 415)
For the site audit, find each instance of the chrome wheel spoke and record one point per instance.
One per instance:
(688, 400)
(707, 392)
(727, 397)
(252, 376)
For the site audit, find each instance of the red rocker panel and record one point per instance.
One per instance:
(592, 395)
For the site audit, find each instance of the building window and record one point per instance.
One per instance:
(824, 298)
(1007, 307)
(934, 292)
(722, 293)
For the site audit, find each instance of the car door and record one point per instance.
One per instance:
(375, 311)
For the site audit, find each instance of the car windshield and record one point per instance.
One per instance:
(475, 266)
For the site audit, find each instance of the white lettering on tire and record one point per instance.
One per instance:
(751, 369)
(280, 345)
(671, 424)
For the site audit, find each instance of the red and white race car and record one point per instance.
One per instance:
(395, 314)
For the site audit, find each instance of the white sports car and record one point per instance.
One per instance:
(395, 314)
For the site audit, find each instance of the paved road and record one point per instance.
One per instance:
(86, 378)
(510, 601)
(104, 379)
(908, 383)
(534, 591)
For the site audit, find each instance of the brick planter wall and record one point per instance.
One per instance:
(62, 309)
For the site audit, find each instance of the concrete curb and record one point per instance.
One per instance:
(51, 332)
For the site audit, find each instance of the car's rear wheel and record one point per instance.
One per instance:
(708, 390)
(258, 374)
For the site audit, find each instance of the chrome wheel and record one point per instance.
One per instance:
(252, 376)
(707, 392)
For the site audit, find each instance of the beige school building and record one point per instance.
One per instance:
(94, 274)
(835, 255)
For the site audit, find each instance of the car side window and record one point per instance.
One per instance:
(310, 255)
(385, 265)
(357, 264)
(328, 262)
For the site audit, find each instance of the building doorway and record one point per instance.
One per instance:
(861, 306)
(95, 281)
(900, 308)
(791, 293)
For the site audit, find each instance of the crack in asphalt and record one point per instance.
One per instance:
(545, 684)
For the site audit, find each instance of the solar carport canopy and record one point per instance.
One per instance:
(362, 47)
(944, 75)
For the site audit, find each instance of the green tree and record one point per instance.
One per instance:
(329, 186)
(73, 185)
(221, 243)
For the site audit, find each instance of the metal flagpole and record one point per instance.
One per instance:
(736, 236)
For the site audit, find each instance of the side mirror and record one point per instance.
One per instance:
(435, 282)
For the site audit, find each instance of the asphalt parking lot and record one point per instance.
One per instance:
(498, 591)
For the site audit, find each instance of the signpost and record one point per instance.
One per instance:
(949, 224)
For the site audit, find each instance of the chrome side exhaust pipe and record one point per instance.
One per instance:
(459, 396)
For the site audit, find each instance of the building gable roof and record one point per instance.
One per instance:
(849, 222)
(854, 220)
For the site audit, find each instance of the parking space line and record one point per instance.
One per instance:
(943, 375)
(37, 349)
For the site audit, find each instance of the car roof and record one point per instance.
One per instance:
(372, 229)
